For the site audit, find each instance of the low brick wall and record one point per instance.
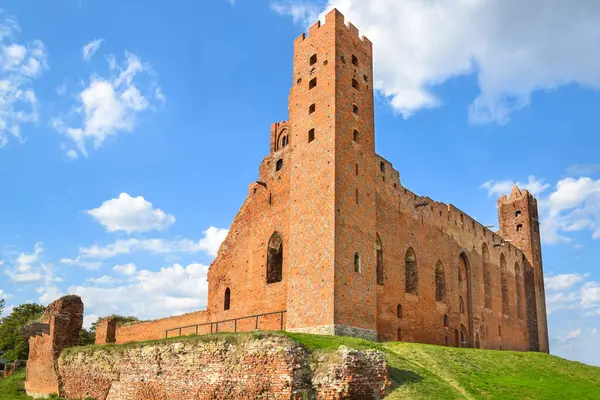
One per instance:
(236, 367)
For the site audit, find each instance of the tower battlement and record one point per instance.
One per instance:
(336, 18)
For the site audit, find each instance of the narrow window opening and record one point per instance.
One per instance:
(366, 78)
(399, 311)
(270, 198)
(311, 109)
(411, 272)
(379, 248)
(399, 334)
(519, 227)
(313, 59)
(227, 302)
(446, 321)
(518, 213)
(354, 107)
(440, 284)
(354, 60)
(357, 262)
(355, 84)
(356, 169)
(312, 83)
(382, 166)
(279, 165)
(355, 136)
(311, 135)
(463, 336)
(275, 259)
(461, 305)
(284, 141)
(299, 81)
(356, 196)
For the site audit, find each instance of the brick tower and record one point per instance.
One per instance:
(331, 287)
(519, 222)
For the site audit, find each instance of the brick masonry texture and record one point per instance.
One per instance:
(65, 317)
(241, 367)
(345, 226)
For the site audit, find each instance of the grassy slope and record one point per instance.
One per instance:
(432, 372)
(421, 371)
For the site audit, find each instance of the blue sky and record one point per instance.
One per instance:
(129, 136)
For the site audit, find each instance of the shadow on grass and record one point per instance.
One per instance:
(401, 377)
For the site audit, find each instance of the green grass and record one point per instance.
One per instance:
(419, 371)
(11, 388)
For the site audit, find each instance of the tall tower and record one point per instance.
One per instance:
(332, 237)
(519, 222)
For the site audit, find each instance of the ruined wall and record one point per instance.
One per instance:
(240, 367)
(441, 233)
(65, 317)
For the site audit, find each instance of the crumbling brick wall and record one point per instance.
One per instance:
(65, 317)
(237, 367)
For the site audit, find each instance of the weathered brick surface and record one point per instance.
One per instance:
(334, 199)
(271, 367)
(65, 317)
(11, 368)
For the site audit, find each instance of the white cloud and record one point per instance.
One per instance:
(72, 154)
(20, 65)
(110, 105)
(130, 214)
(302, 12)
(513, 47)
(26, 268)
(150, 294)
(49, 293)
(573, 205)
(127, 269)
(89, 319)
(103, 280)
(573, 334)
(79, 262)
(563, 281)
(90, 49)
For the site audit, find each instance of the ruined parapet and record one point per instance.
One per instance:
(106, 330)
(58, 328)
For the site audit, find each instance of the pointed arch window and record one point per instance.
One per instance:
(446, 321)
(357, 262)
(461, 305)
(411, 272)
(487, 277)
(379, 249)
(440, 282)
(227, 300)
(275, 259)
(504, 283)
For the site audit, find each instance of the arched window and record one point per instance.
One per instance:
(460, 277)
(504, 282)
(440, 282)
(519, 286)
(446, 321)
(227, 302)
(275, 259)
(461, 305)
(463, 336)
(487, 277)
(356, 262)
(379, 248)
(399, 334)
(411, 272)
(278, 165)
(399, 311)
(284, 141)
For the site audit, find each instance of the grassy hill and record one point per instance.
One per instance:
(421, 371)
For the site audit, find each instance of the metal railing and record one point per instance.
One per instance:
(235, 321)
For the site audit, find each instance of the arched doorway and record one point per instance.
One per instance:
(465, 291)
(463, 337)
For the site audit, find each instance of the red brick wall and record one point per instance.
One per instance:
(243, 368)
(65, 317)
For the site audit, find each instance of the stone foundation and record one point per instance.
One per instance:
(236, 367)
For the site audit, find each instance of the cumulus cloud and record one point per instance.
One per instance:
(513, 47)
(572, 205)
(20, 65)
(110, 105)
(131, 214)
(209, 244)
(563, 281)
(150, 294)
(79, 262)
(127, 269)
(90, 48)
